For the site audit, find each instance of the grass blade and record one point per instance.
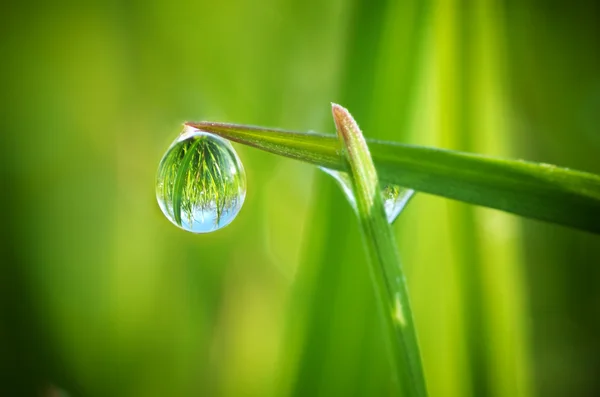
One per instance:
(533, 190)
(180, 178)
(384, 261)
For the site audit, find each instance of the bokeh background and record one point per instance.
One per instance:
(101, 296)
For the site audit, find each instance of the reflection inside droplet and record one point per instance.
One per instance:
(201, 183)
(395, 197)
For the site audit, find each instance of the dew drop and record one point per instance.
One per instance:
(395, 197)
(201, 183)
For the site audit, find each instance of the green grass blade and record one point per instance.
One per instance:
(533, 190)
(180, 181)
(383, 256)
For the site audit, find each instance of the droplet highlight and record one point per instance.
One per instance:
(395, 198)
(201, 182)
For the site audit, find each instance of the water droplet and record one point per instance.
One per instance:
(395, 197)
(201, 183)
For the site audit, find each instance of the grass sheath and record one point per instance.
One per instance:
(534, 190)
(386, 271)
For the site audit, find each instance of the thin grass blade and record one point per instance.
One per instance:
(387, 273)
(539, 191)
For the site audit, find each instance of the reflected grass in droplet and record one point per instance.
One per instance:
(201, 183)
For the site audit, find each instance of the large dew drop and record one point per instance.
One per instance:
(395, 197)
(201, 183)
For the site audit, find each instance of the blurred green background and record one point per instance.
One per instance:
(101, 296)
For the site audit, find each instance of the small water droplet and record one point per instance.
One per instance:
(201, 183)
(395, 197)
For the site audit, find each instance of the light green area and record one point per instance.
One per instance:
(100, 296)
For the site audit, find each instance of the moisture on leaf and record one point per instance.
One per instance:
(201, 183)
(395, 197)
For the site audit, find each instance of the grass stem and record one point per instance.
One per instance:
(389, 281)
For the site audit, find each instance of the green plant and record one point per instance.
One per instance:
(389, 281)
(534, 190)
(539, 191)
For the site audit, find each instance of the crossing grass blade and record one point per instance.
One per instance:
(389, 281)
(534, 190)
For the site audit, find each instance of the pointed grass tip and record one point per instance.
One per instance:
(344, 121)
